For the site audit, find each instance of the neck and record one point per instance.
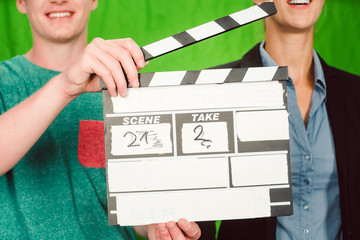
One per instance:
(56, 55)
(292, 49)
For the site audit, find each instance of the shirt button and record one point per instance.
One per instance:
(306, 207)
(306, 181)
(306, 231)
(307, 157)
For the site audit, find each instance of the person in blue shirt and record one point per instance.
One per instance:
(324, 121)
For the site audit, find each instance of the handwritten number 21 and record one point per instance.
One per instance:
(133, 136)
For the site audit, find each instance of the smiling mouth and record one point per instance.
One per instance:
(299, 2)
(59, 14)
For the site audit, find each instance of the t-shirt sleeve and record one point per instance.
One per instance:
(11, 88)
(4, 73)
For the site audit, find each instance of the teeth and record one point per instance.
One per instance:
(300, 2)
(59, 14)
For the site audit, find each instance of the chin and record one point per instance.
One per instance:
(60, 38)
(301, 26)
(63, 36)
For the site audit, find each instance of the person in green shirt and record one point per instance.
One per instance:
(45, 192)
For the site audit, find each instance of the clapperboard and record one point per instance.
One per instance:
(202, 145)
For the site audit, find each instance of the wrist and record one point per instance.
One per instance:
(64, 90)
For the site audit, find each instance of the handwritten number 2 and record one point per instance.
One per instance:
(133, 136)
(205, 142)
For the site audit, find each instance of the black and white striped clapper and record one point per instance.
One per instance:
(208, 30)
(209, 76)
(198, 34)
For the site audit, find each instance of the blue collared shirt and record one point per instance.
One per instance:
(313, 166)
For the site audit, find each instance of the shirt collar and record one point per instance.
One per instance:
(267, 61)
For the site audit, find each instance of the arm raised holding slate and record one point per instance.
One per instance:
(26, 122)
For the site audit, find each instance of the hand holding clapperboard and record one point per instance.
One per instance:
(201, 145)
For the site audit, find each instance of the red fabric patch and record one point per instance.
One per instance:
(91, 148)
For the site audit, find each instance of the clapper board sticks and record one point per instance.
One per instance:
(202, 145)
(208, 30)
(225, 75)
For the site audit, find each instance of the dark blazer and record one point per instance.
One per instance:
(343, 107)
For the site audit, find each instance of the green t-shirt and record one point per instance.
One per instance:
(49, 194)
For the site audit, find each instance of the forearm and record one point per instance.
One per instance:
(22, 126)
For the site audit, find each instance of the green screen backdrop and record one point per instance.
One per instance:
(336, 38)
